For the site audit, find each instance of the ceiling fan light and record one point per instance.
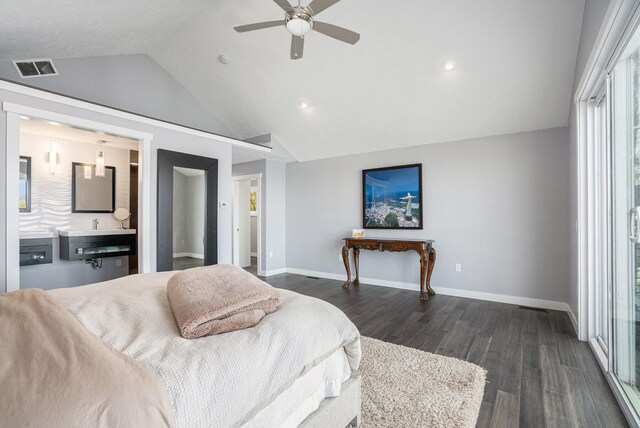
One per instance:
(298, 27)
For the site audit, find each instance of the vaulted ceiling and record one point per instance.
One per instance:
(514, 60)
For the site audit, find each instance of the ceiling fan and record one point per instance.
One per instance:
(300, 20)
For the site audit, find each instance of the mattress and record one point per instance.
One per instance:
(306, 393)
(273, 374)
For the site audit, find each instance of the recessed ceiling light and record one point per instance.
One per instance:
(303, 105)
(448, 65)
(223, 59)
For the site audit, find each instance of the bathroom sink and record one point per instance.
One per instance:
(37, 234)
(100, 232)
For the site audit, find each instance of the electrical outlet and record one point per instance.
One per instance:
(339, 257)
(271, 254)
(223, 204)
(458, 267)
(118, 262)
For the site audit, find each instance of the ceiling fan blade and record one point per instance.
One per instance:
(318, 6)
(284, 4)
(297, 46)
(258, 26)
(336, 32)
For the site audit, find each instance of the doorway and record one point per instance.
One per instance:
(60, 188)
(247, 222)
(624, 299)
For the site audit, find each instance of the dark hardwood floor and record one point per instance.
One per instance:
(539, 374)
(182, 263)
(253, 269)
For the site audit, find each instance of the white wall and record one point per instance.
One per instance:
(51, 194)
(499, 206)
(163, 138)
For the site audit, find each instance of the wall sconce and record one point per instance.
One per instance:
(100, 161)
(100, 164)
(53, 157)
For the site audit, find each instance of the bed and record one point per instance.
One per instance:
(281, 373)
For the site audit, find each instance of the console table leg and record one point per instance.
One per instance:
(356, 260)
(432, 263)
(345, 259)
(423, 274)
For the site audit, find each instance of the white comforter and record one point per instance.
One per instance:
(215, 381)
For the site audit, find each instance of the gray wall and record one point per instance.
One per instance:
(254, 235)
(272, 196)
(498, 206)
(195, 212)
(276, 215)
(594, 12)
(188, 214)
(179, 213)
(134, 83)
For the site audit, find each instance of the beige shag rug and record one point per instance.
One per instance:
(406, 387)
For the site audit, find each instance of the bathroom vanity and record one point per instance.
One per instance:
(36, 248)
(93, 244)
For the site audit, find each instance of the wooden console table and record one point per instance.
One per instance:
(424, 248)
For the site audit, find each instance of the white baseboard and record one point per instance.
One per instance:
(574, 322)
(479, 295)
(193, 255)
(271, 272)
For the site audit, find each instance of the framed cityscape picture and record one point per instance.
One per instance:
(392, 197)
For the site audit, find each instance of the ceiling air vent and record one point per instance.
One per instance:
(35, 68)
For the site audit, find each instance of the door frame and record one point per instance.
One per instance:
(12, 155)
(621, 20)
(259, 202)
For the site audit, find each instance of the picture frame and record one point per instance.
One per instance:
(253, 201)
(392, 197)
(24, 190)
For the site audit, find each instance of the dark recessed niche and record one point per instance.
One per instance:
(27, 69)
(45, 67)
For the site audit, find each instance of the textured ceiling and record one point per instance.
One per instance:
(77, 28)
(515, 67)
(515, 64)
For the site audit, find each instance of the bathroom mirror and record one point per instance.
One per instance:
(90, 193)
(188, 218)
(24, 203)
(187, 211)
(122, 215)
